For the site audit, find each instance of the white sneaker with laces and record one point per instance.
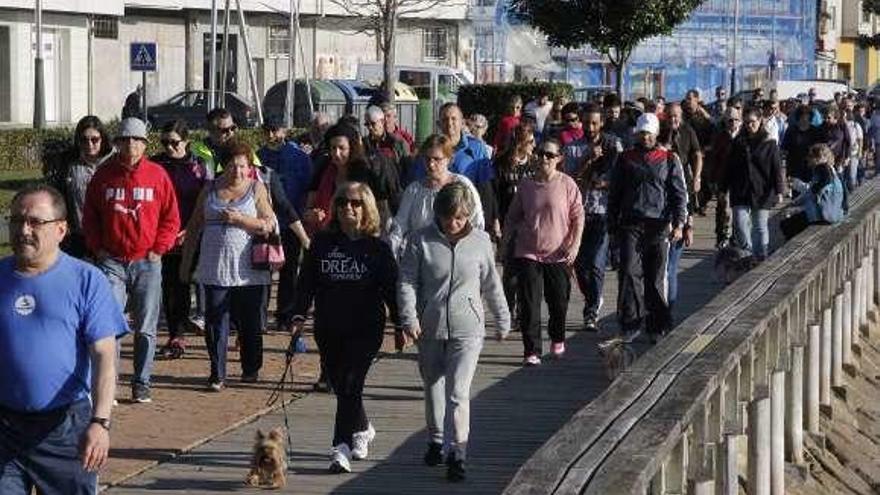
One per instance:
(361, 443)
(531, 360)
(340, 456)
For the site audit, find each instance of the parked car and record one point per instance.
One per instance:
(192, 106)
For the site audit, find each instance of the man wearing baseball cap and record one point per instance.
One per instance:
(647, 208)
(130, 220)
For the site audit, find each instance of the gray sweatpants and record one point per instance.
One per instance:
(447, 368)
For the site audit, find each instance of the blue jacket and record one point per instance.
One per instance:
(470, 160)
(295, 168)
(825, 200)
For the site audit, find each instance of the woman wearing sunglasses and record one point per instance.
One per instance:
(188, 176)
(545, 222)
(72, 172)
(417, 204)
(348, 264)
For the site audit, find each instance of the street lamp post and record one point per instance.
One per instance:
(735, 42)
(212, 73)
(39, 88)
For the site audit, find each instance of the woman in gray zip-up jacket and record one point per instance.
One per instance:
(446, 272)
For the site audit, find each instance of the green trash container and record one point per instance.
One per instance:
(326, 97)
(407, 103)
(425, 126)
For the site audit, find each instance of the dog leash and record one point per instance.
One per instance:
(278, 392)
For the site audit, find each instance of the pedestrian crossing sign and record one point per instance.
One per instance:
(143, 56)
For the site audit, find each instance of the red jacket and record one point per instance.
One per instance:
(128, 213)
(504, 133)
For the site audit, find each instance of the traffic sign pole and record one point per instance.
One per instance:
(144, 95)
(144, 57)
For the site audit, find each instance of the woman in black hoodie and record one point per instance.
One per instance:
(755, 180)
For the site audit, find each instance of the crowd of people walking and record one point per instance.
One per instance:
(429, 236)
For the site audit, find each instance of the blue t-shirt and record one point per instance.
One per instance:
(47, 323)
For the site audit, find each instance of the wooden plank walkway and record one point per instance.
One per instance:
(513, 412)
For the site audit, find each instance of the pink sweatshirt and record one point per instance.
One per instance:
(544, 213)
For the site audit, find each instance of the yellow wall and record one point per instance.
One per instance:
(846, 55)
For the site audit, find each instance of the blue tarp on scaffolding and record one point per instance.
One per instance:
(776, 40)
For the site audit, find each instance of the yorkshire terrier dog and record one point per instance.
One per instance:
(269, 463)
(617, 354)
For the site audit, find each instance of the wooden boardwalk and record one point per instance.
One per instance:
(513, 412)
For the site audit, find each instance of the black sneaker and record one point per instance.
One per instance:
(454, 468)
(140, 393)
(250, 377)
(434, 455)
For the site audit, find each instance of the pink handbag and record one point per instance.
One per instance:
(267, 252)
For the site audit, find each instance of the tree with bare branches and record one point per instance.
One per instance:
(381, 18)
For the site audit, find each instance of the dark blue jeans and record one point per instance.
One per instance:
(242, 305)
(590, 263)
(42, 450)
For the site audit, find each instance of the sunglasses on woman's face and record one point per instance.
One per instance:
(343, 202)
(548, 155)
(170, 143)
(90, 140)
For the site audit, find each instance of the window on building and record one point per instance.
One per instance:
(105, 26)
(485, 43)
(279, 41)
(436, 44)
(832, 11)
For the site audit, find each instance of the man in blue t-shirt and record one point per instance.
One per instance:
(294, 167)
(58, 327)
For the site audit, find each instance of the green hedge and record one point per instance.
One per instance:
(28, 149)
(491, 99)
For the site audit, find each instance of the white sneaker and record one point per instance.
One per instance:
(339, 459)
(361, 443)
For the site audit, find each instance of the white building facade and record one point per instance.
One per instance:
(86, 49)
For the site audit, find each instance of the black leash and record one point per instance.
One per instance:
(278, 392)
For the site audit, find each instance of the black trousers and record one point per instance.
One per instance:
(347, 361)
(537, 281)
(175, 295)
(287, 278)
(642, 285)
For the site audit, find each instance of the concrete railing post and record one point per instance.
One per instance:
(876, 285)
(777, 433)
(825, 359)
(856, 303)
(759, 444)
(811, 385)
(847, 324)
(837, 342)
(863, 306)
(730, 466)
(794, 407)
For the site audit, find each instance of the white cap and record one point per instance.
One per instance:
(648, 122)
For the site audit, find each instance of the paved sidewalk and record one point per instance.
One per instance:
(514, 410)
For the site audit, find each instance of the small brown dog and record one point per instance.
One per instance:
(269, 463)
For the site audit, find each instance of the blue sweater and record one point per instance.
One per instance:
(295, 168)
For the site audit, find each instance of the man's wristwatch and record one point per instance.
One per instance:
(104, 422)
